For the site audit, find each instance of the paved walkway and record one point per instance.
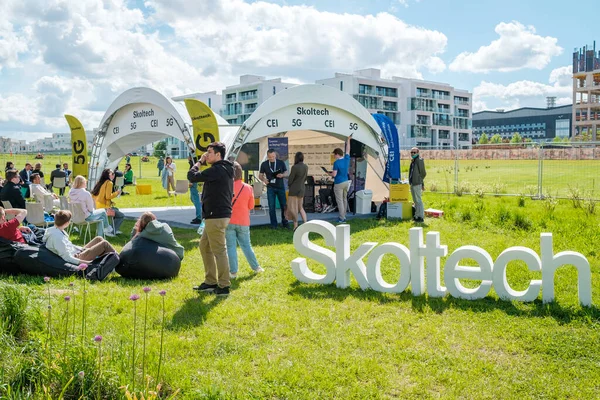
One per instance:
(180, 217)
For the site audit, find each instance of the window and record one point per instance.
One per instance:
(563, 128)
(274, 90)
(342, 86)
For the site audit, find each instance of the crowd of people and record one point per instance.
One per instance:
(223, 209)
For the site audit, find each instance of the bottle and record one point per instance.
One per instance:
(201, 228)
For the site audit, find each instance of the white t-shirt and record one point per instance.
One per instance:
(171, 168)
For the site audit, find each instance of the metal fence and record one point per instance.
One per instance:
(538, 170)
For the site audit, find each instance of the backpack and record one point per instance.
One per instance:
(102, 266)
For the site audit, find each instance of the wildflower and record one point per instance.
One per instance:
(134, 297)
(162, 292)
(81, 374)
(67, 298)
(146, 289)
(46, 279)
(98, 338)
(82, 267)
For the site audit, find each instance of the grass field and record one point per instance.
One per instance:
(560, 178)
(277, 338)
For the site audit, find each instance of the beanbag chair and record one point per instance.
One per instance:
(142, 258)
(39, 261)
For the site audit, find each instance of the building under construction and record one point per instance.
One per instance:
(586, 92)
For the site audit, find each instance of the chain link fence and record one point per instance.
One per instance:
(538, 170)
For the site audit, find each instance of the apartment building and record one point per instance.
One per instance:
(211, 99)
(586, 92)
(425, 113)
(239, 101)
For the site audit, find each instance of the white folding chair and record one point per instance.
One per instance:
(48, 202)
(6, 204)
(42, 182)
(64, 203)
(119, 182)
(258, 187)
(59, 183)
(181, 187)
(78, 218)
(35, 214)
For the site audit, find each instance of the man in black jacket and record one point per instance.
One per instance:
(25, 175)
(58, 173)
(217, 195)
(12, 190)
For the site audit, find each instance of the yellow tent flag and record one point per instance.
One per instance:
(78, 147)
(204, 122)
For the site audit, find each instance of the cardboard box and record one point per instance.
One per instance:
(399, 192)
(432, 212)
(401, 210)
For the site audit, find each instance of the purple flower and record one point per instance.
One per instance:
(134, 297)
(146, 289)
(98, 338)
(81, 374)
(46, 279)
(162, 292)
(82, 267)
(67, 298)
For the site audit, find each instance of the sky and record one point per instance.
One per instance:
(76, 57)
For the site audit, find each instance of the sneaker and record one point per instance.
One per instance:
(108, 230)
(341, 221)
(205, 287)
(196, 221)
(109, 234)
(222, 291)
(118, 233)
(259, 270)
(232, 276)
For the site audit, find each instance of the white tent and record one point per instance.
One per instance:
(317, 115)
(140, 116)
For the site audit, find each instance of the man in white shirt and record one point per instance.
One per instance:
(57, 241)
(38, 191)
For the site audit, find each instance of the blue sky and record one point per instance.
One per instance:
(67, 56)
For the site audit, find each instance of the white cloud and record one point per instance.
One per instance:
(76, 57)
(518, 47)
(525, 93)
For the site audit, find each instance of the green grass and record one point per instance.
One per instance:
(277, 338)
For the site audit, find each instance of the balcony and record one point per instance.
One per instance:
(419, 132)
(461, 101)
(369, 102)
(230, 99)
(439, 96)
(248, 96)
(424, 94)
(442, 120)
(443, 110)
(423, 120)
(390, 107)
(462, 123)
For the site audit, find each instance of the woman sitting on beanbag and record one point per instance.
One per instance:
(149, 228)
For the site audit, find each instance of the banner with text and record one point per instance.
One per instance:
(390, 133)
(78, 147)
(204, 122)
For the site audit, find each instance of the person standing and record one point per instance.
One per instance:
(160, 165)
(195, 197)
(297, 186)
(416, 174)
(217, 197)
(169, 175)
(341, 180)
(238, 230)
(58, 173)
(67, 174)
(272, 172)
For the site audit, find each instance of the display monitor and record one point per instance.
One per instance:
(248, 157)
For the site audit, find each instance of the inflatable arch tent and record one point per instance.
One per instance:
(137, 117)
(317, 116)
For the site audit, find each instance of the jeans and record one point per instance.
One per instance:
(99, 215)
(416, 191)
(272, 194)
(118, 219)
(239, 234)
(195, 197)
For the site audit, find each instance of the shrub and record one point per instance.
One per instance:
(13, 311)
(498, 188)
(502, 216)
(521, 200)
(550, 203)
(479, 189)
(522, 222)
(589, 205)
(575, 196)
(433, 187)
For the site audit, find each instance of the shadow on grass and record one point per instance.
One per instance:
(196, 308)
(562, 314)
